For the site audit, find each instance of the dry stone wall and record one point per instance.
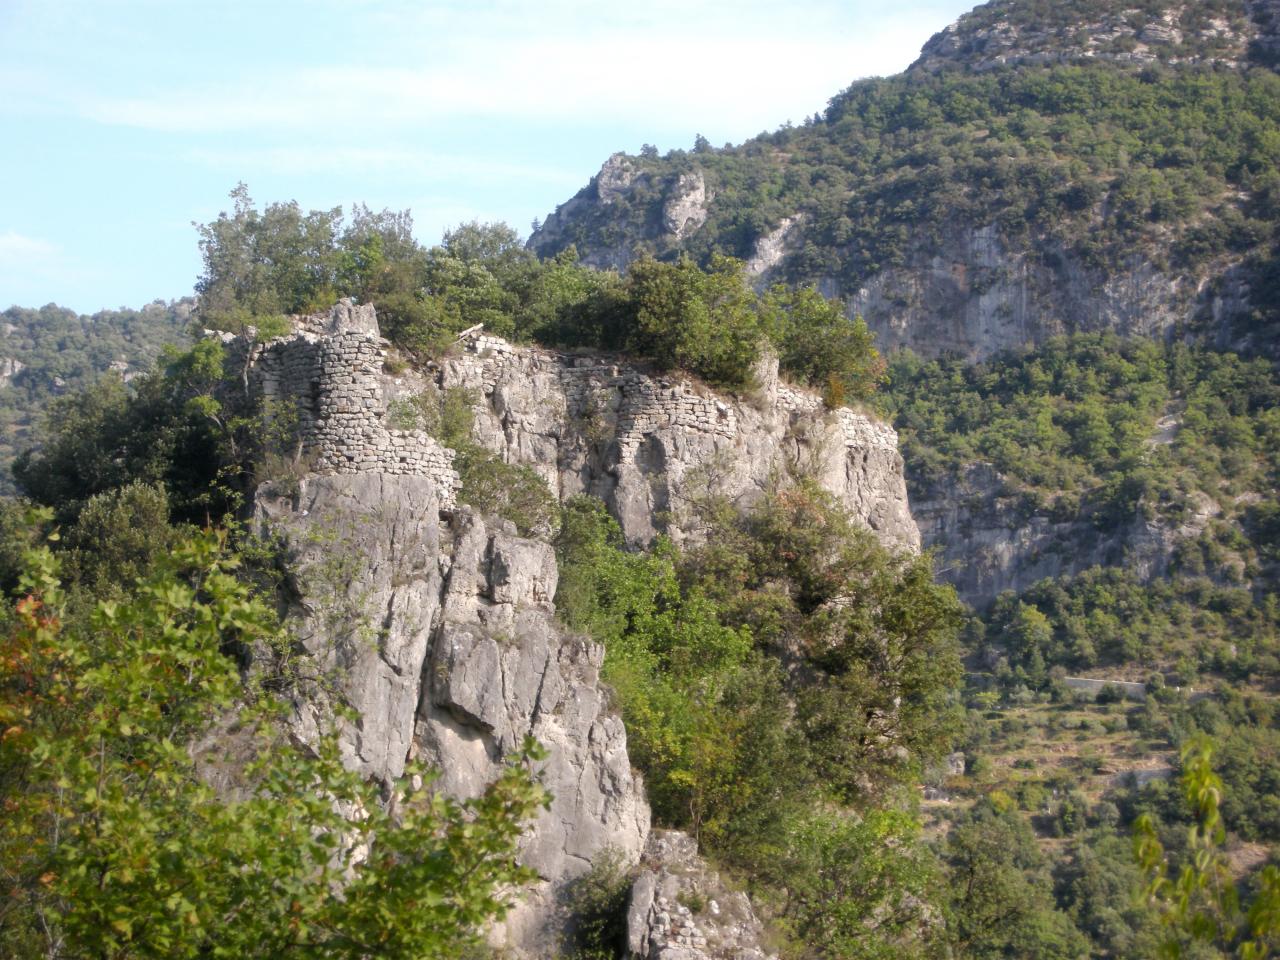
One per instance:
(329, 370)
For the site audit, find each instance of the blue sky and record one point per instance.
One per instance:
(122, 121)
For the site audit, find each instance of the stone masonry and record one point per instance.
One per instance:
(331, 369)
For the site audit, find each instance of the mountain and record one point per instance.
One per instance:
(494, 497)
(1007, 32)
(1040, 169)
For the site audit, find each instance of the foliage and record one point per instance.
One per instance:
(820, 346)
(597, 906)
(1107, 616)
(669, 658)
(1202, 905)
(114, 843)
(862, 887)
(1001, 900)
(185, 428)
(709, 322)
(751, 761)
(60, 353)
(877, 635)
(681, 316)
(1094, 885)
(1073, 423)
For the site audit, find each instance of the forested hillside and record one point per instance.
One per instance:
(975, 204)
(53, 352)
(1054, 733)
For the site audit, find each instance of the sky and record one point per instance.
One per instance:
(122, 122)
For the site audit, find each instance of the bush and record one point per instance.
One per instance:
(596, 906)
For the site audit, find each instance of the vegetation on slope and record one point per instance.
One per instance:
(780, 686)
(61, 353)
(1096, 430)
(114, 842)
(1098, 426)
(259, 264)
(1176, 165)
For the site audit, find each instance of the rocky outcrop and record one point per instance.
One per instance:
(681, 910)
(975, 295)
(686, 207)
(1003, 33)
(676, 204)
(442, 638)
(649, 443)
(437, 626)
(771, 249)
(10, 368)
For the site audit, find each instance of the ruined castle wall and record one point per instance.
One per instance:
(330, 370)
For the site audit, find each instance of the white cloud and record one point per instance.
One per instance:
(678, 72)
(18, 250)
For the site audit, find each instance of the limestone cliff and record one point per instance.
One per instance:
(976, 293)
(437, 625)
(988, 541)
(442, 637)
(646, 443)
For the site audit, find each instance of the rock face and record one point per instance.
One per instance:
(988, 541)
(10, 368)
(437, 625)
(1001, 33)
(680, 910)
(647, 443)
(678, 205)
(771, 249)
(443, 639)
(976, 295)
(686, 209)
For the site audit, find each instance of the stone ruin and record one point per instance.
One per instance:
(330, 368)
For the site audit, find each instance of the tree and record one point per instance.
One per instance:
(1201, 906)
(113, 843)
(861, 888)
(702, 321)
(877, 635)
(257, 264)
(820, 346)
(1001, 898)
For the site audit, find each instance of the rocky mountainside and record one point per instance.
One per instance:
(1041, 169)
(439, 624)
(1004, 33)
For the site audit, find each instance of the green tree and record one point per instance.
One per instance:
(1201, 906)
(704, 322)
(820, 346)
(1001, 899)
(113, 844)
(860, 888)
(262, 263)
